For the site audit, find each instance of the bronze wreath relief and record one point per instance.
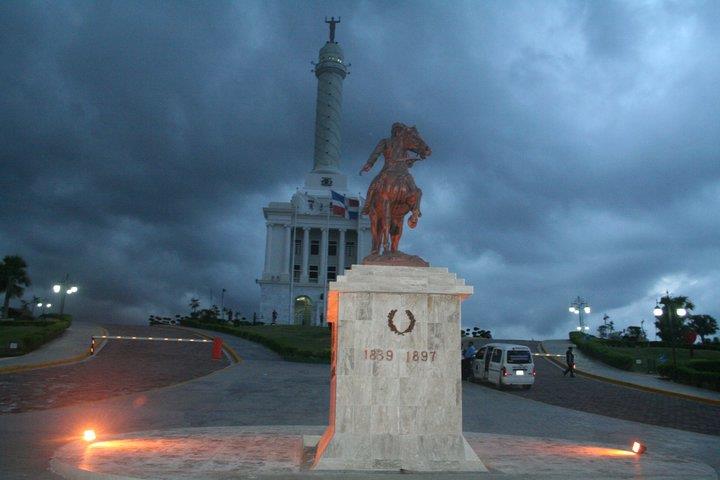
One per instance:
(392, 326)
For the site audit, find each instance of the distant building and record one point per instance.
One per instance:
(318, 234)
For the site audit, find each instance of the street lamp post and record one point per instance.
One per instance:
(222, 304)
(578, 307)
(680, 312)
(43, 306)
(64, 289)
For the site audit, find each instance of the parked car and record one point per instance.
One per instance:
(504, 364)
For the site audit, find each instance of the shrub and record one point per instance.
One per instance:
(704, 365)
(692, 376)
(288, 352)
(592, 347)
(46, 330)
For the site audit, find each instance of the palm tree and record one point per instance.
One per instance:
(194, 305)
(13, 279)
(670, 324)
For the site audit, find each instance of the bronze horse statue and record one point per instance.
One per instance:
(393, 193)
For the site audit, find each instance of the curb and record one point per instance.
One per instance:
(622, 383)
(52, 363)
(228, 349)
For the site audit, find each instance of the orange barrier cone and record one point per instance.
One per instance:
(217, 348)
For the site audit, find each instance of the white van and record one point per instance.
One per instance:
(504, 364)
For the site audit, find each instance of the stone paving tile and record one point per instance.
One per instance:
(603, 398)
(121, 367)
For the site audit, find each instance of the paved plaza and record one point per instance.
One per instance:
(264, 391)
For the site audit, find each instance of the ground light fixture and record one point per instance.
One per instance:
(89, 435)
(638, 448)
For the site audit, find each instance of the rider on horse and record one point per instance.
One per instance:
(394, 185)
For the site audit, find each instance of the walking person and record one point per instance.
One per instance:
(570, 360)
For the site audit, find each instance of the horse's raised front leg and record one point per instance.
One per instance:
(416, 214)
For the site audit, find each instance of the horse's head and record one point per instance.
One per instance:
(412, 140)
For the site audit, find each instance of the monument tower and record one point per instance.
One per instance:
(319, 233)
(330, 71)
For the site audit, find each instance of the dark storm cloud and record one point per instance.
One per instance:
(575, 146)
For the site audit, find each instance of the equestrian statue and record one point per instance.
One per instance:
(392, 194)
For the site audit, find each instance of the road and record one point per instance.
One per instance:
(603, 398)
(121, 367)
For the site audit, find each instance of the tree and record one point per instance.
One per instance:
(35, 301)
(13, 279)
(603, 331)
(194, 305)
(703, 325)
(634, 334)
(670, 324)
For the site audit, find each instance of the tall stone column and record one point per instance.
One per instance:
(268, 247)
(305, 254)
(341, 253)
(330, 71)
(286, 252)
(323, 255)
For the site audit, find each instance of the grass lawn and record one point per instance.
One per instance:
(293, 342)
(29, 337)
(304, 338)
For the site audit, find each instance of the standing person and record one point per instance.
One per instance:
(468, 356)
(274, 317)
(570, 360)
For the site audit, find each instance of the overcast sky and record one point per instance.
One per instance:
(576, 147)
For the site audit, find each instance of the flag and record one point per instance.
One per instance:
(353, 208)
(344, 206)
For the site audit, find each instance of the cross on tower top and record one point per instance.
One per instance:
(332, 23)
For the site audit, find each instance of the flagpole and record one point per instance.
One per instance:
(325, 253)
(291, 303)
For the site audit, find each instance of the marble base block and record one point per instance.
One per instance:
(396, 392)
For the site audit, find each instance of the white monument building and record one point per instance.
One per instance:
(319, 233)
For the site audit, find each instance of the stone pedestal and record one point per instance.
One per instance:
(396, 392)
